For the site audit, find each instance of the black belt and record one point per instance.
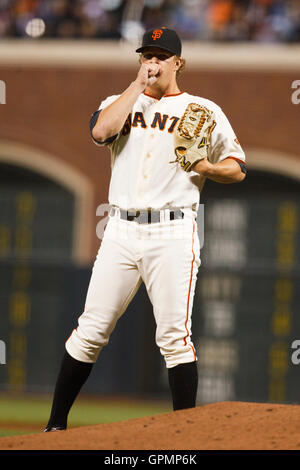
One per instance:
(148, 216)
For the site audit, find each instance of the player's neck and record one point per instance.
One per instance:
(158, 92)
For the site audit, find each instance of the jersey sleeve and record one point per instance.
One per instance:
(224, 142)
(94, 118)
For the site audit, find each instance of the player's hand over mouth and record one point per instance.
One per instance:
(148, 74)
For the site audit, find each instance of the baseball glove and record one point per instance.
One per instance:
(192, 136)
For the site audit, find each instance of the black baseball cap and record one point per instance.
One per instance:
(163, 38)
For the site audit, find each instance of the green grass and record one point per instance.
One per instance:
(14, 432)
(22, 415)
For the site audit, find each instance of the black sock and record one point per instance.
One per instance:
(183, 381)
(72, 375)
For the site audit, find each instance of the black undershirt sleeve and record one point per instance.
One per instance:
(243, 167)
(93, 121)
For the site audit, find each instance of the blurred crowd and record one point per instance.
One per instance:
(206, 20)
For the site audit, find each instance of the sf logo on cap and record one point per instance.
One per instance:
(156, 34)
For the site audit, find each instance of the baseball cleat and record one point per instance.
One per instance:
(54, 428)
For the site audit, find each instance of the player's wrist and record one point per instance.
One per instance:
(139, 86)
(204, 167)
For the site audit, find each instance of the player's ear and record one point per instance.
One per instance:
(177, 61)
(181, 66)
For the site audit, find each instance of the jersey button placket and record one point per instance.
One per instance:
(147, 158)
(146, 166)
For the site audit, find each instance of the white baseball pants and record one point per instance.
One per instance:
(166, 257)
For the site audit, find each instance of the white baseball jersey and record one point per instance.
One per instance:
(142, 175)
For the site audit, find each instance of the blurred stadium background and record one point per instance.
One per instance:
(58, 60)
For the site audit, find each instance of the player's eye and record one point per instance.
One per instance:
(148, 56)
(162, 56)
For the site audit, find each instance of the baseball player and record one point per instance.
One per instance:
(164, 143)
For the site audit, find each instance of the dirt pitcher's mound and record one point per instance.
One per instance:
(218, 426)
